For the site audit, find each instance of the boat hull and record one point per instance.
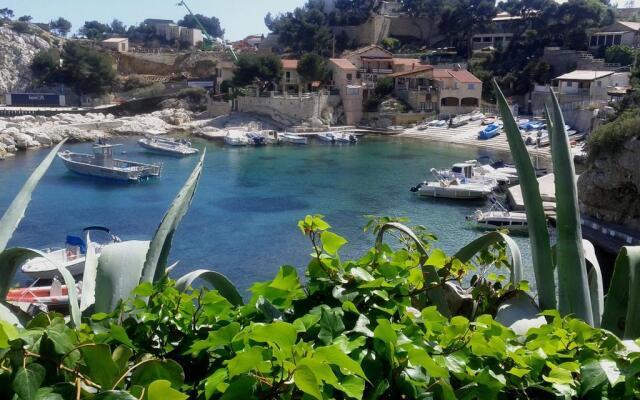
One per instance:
(448, 192)
(133, 174)
(293, 139)
(186, 151)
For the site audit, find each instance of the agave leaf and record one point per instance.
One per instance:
(11, 315)
(520, 313)
(18, 206)
(12, 258)
(220, 282)
(573, 285)
(88, 296)
(538, 233)
(119, 269)
(622, 305)
(596, 287)
(431, 277)
(155, 264)
(468, 251)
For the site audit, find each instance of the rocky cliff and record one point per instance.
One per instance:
(16, 53)
(609, 189)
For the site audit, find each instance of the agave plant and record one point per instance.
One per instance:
(112, 276)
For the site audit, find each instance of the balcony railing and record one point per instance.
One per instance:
(376, 70)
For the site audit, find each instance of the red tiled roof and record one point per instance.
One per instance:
(343, 63)
(461, 75)
(370, 47)
(289, 64)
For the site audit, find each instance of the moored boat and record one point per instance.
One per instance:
(256, 139)
(451, 188)
(292, 138)
(490, 131)
(102, 164)
(34, 299)
(345, 137)
(71, 256)
(329, 137)
(236, 137)
(167, 146)
(498, 217)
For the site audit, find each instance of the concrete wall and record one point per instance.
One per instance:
(217, 108)
(289, 110)
(371, 32)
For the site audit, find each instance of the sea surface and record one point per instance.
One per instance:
(243, 220)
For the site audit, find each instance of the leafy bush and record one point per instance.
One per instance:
(21, 27)
(154, 89)
(610, 138)
(356, 329)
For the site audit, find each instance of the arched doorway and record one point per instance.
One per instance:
(449, 102)
(469, 102)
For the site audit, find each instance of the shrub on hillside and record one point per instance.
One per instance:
(152, 90)
(610, 138)
(21, 27)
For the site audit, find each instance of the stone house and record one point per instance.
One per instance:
(592, 85)
(416, 88)
(290, 81)
(346, 82)
(620, 32)
(457, 91)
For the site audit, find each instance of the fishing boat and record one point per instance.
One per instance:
(167, 146)
(451, 188)
(498, 217)
(35, 299)
(71, 256)
(236, 137)
(329, 137)
(292, 138)
(490, 131)
(102, 164)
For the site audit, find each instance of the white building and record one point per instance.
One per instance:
(121, 45)
(590, 85)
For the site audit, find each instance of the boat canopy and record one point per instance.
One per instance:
(97, 228)
(76, 241)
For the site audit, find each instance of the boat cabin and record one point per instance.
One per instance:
(464, 169)
(104, 154)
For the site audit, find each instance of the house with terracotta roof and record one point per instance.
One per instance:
(290, 81)
(372, 62)
(347, 83)
(416, 88)
(458, 90)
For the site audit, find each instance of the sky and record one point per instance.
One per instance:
(239, 18)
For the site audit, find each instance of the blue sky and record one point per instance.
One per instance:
(238, 17)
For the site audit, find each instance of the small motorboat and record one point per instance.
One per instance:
(256, 139)
(498, 217)
(345, 137)
(489, 119)
(167, 146)
(522, 123)
(451, 188)
(438, 123)
(460, 120)
(329, 137)
(35, 299)
(534, 125)
(236, 137)
(292, 138)
(468, 173)
(102, 164)
(71, 257)
(476, 116)
(490, 131)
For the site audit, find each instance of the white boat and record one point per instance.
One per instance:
(71, 257)
(498, 217)
(102, 164)
(270, 136)
(236, 137)
(345, 137)
(476, 116)
(167, 146)
(468, 173)
(38, 298)
(292, 138)
(451, 188)
(438, 123)
(329, 137)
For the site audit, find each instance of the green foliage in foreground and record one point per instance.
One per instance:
(356, 329)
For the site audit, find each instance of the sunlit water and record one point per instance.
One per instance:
(243, 218)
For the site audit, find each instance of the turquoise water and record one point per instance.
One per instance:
(243, 218)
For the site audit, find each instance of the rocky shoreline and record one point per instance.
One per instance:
(29, 132)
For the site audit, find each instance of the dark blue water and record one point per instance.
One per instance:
(243, 218)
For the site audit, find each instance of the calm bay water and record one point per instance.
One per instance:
(243, 218)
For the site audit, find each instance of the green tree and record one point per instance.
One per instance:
(265, 70)
(46, 66)
(61, 26)
(25, 18)
(211, 24)
(384, 87)
(86, 69)
(312, 67)
(621, 54)
(94, 30)
(391, 44)
(117, 27)
(306, 29)
(6, 13)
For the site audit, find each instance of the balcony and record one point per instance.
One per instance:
(377, 71)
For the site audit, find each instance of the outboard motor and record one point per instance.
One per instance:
(416, 188)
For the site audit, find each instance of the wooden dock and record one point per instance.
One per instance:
(547, 193)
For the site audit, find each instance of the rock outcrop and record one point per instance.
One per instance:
(28, 131)
(17, 50)
(609, 189)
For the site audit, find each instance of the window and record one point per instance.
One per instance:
(349, 77)
(487, 39)
(471, 86)
(352, 91)
(600, 40)
(287, 76)
(617, 39)
(477, 39)
(594, 41)
(569, 84)
(609, 40)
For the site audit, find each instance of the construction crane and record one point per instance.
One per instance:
(209, 40)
